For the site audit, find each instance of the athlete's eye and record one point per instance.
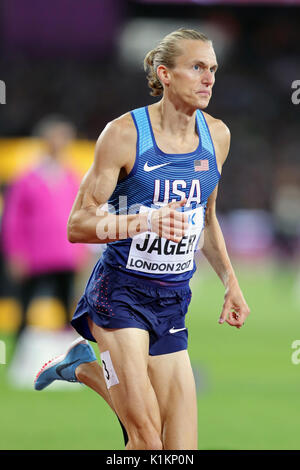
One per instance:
(196, 67)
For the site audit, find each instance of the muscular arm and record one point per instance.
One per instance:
(214, 247)
(88, 222)
(235, 309)
(114, 150)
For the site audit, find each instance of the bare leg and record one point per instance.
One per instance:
(133, 397)
(172, 378)
(91, 375)
(178, 405)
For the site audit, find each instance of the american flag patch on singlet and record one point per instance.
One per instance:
(201, 165)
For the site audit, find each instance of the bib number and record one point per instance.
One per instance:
(150, 253)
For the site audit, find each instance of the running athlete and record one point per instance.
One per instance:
(158, 169)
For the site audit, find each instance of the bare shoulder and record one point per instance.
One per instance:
(117, 141)
(122, 127)
(220, 134)
(115, 153)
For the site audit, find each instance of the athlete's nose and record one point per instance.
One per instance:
(208, 78)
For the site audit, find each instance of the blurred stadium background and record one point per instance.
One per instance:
(83, 61)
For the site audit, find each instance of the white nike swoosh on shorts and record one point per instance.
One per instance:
(173, 330)
(155, 167)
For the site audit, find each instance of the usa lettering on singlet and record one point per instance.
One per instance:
(156, 179)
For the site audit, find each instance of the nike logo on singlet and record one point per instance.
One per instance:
(155, 167)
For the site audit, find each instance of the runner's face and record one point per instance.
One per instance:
(193, 76)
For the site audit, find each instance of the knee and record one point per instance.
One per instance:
(154, 443)
(145, 437)
(147, 442)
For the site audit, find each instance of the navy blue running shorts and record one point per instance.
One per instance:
(113, 299)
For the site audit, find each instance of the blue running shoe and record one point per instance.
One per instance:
(63, 367)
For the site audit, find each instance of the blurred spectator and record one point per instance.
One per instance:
(38, 255)
(286, 210)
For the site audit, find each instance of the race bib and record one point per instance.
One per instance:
(150, 253)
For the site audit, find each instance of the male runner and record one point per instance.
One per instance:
(166, 159)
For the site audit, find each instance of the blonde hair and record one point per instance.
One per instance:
(165, 54)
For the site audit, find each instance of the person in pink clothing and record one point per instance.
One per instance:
(38, 255)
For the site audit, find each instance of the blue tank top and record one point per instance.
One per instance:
(156, 179)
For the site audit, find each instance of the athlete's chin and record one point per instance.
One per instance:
(203, 101)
